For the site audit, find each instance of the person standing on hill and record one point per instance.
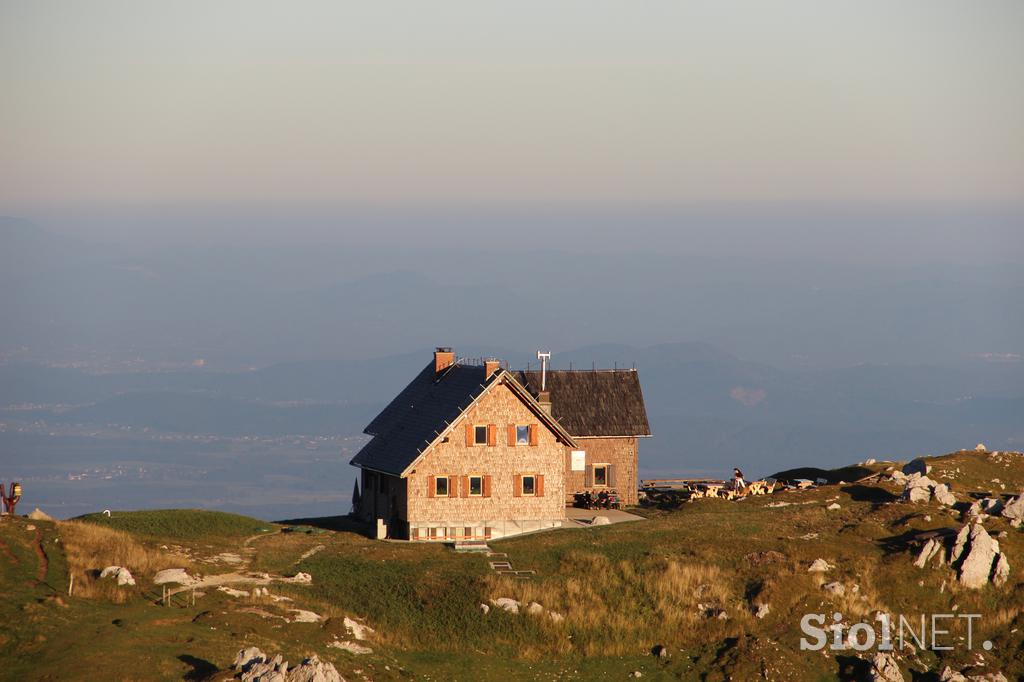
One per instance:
(737, 480)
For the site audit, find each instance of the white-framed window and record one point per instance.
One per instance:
(522, 434)
(480, 434)
(601, 475)
(440, 486)
(476, 486)
(529, 485)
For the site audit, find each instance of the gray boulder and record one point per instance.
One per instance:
(917, 494)
(835, 588)
(885, 669)
(992, 505)
(1001, 573)
(931, 549)
(950, 675)
(942, 495)
(122, 574)
(1014, 510)
(960, 544)
(247, 656)
(253, 666)
(977, 558)
(506, 604)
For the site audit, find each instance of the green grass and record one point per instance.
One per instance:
(181, 524)
(614, 584)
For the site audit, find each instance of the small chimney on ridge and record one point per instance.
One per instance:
(491, 365)
(444, 358)
(544, 398)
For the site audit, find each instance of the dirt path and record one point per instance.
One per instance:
(235, 578)
(238, 577)
(245, 543)
(44, 561)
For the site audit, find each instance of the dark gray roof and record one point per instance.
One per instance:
(593, 403)
(418, 414)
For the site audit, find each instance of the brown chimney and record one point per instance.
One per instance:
(544, 398)
(444, 358)
(491, 365)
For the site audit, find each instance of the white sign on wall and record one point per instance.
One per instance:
(579, 460)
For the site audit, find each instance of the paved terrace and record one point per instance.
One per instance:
(583, 517)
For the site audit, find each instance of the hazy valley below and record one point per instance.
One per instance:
(215, 375)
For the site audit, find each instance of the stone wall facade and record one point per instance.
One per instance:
(619, 454)
(503, 509)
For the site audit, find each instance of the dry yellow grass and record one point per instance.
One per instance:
(90, 548)
(641, 602)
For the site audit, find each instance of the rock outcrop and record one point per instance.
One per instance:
(942, 495)
(919, 488)
(950, 675)
(885, 669)
(351, 647)
(252, 665)
(932, 548)
(977, 558)
(506, 604)
(123, 575)
(835, 588)
(357, 629)
(1014, 511)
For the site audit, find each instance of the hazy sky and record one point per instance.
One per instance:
(135, 102)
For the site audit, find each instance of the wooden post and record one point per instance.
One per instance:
(71, 584)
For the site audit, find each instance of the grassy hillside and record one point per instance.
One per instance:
(180, 524)
(689, 578)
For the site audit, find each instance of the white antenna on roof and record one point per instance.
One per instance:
(544, 358)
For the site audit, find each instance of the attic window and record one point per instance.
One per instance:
(522, 435)
(480, 435)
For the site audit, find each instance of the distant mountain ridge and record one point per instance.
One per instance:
(707, 407)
